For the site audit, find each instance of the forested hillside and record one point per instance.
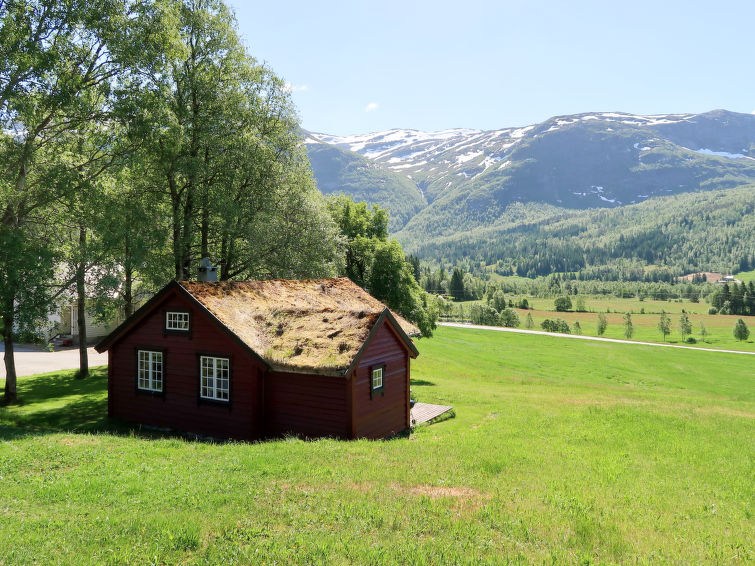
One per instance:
(503, 195)
(662, 236)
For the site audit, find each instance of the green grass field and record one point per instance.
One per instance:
(719, 328)
(561, 452)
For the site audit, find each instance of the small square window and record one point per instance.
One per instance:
(176, 321)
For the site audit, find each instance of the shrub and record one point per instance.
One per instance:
(602, 324)
(558, 325)
(509, 318)
(712, 310)
(562, 304)
(741, 332)
(484, 314)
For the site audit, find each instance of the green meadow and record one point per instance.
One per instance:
(560, 452)
(645, 315)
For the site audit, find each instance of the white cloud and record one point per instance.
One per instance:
(296, 88)
(371, 107)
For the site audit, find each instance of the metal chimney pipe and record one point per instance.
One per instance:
(207, 271)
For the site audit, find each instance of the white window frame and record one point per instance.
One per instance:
(177, 320)
(381, 375)
(150, 370)
(215, 378)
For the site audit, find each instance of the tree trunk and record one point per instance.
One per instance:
(81, 301)
(205, 229)
(11, 395)
(128, 296)
(188, 220)
(175, 201)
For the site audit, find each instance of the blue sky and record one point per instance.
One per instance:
(357, 67)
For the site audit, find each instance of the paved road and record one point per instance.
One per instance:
(596, 338)
(31, 360)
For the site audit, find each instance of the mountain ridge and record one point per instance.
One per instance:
(467, 178)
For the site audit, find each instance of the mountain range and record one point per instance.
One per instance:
(438, 185)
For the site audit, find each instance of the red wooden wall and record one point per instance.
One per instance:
(306, 405)
(180, 408)
(387, 414)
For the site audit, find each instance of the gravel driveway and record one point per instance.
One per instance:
(31, 360)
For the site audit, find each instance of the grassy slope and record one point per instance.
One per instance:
(561, 451)
(719, 327)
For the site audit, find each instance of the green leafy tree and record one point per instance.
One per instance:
(528, 322)
(703, 330)
(741, 332)
(579, 304)
(602, 324)
(664, 325)
(498, 301)
(392, 281)
(562, 304)
(577, 328)
(628, 326)
(509, 318)
(558, 325)
(484, 314)
(61, 68)
(685, 326)
(378, 264)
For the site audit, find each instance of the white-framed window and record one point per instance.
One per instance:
(176, 320)
(150, 370)
(214, 378)
(377, 378)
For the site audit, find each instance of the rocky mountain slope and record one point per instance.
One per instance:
(440, 183)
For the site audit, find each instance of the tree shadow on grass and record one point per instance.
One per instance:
(421, 382)
(58, 402)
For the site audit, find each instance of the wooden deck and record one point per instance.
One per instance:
(423, 412)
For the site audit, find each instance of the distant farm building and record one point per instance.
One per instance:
(256, 359)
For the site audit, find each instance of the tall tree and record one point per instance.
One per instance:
(58, 61)
(378, 264)
(602, 324)
(628, 326)
(222, 150)
(664, 325)
(685, 326)
(456, 287)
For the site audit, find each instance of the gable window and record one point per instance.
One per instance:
(214, 378)
(150, 370)
(176, 320)
(376, 381)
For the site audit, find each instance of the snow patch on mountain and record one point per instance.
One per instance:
(468, 156)
(726, 154)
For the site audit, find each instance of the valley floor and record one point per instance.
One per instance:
(595, 338)
(561, 451)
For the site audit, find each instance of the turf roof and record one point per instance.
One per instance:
(314, 325)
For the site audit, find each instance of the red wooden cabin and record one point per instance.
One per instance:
(255, 359)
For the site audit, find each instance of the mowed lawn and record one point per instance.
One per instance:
(561, 451)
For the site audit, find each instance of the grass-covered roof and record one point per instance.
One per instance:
(314, 325)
